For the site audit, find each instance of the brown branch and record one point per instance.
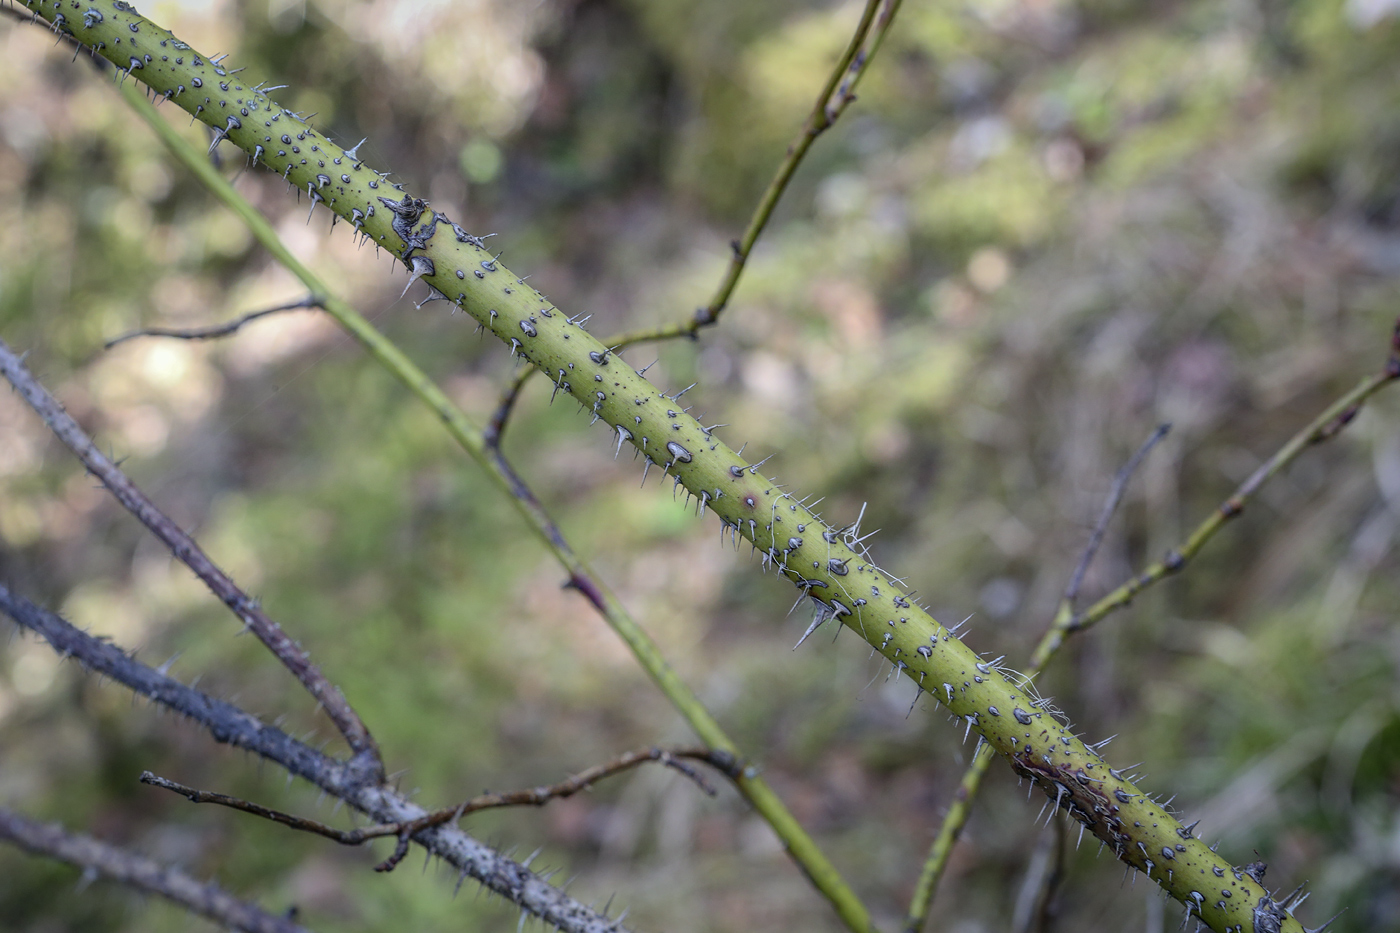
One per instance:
(292, 655)
(491, 434)
(214, 331)
(230, 725)
(532, 796)
(1322, 428)
(108, 861)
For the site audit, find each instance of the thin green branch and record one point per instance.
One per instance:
(836, 95)
(1325, 426)
(803, 850)
(1337, 416)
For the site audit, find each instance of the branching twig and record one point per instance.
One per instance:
(98, 858)
(232, 726)
(213, 331)
(837, 93)
(292, 655)
(532, 796)
(1337, 416)
(1325, 426)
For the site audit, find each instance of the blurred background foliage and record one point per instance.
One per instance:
(1045, 227)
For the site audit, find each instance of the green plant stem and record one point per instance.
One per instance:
(835, 96)
(1066, 622)
(486, 451)
(819, 559)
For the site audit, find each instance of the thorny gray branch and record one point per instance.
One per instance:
(99, 859)
(366, 760)
(358, 781)
(232, 726)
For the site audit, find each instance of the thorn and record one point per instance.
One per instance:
(1327, 924)
(754, 468)
(1099, 745)
(818, 617)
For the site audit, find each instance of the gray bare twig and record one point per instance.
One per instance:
(101, 859)
(1110, 505)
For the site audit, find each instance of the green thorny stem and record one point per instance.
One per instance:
(820, 559)
(1066, 622)
(483, 448)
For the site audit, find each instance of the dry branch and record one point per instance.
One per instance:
(100, 859)
(230, 725)
(529, 797)
(214, 331)
(188, 552)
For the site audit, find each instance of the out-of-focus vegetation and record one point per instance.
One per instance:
(1045, 227)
